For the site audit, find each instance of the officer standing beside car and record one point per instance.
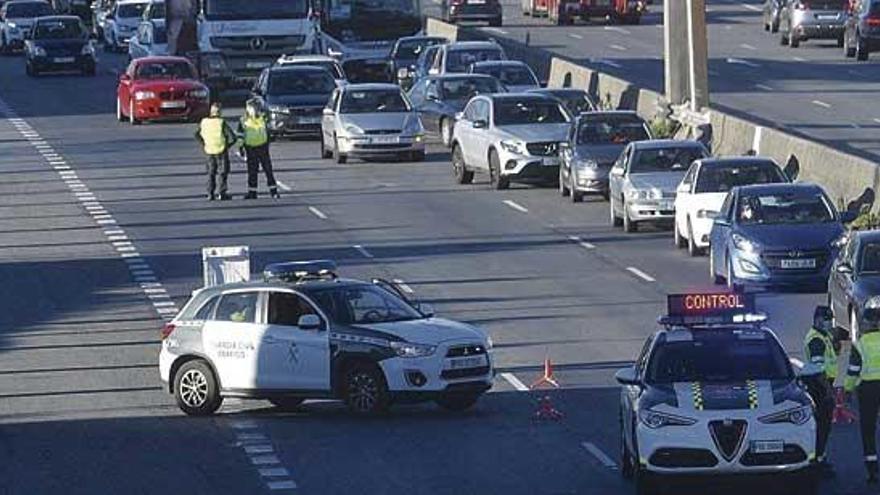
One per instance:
(820, 350)
(216, 137)
(863, 376)
(252, 127)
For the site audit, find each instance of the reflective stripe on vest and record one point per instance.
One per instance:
(212, 134)
(869, 349)
(254, 132)
(829, 364)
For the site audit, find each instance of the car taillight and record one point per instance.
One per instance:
(166, 330)
(873, 21)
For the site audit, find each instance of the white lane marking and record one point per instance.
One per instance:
(575, 36)
(712, 72)
(618, 29)
(821, 104)
(747, 46)
(274, 472)
(855, 126)
(609, 63)
(406, 288)
(281, 485)
(262, 460)
(799, 59)
(582, 243)
(496, 30)
(855, 73)
(117, 237)
(513, 380)
(258, 449)
(753, 8)
(363, 251)
(620, 48)
(739, 61)
(763, 87)
(106, 222)
(642, 275)
(283, 186)
(516, 206)
(142, 274)
(796, 362)
(114, 232)
(600, 456)
(318, 213)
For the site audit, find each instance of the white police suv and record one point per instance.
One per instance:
(714, 393)
(304, 333)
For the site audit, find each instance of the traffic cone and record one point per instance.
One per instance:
(545, 405)
(841, 414)
(548, 380)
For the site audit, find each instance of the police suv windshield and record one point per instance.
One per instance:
(717, 356)
(362, 305)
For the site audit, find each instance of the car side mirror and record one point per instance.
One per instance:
(459, 116)
(721, 221)
(683, 188)
(844, 268)
(426, 310)
(627, 376)
(328, 112)
(309, 322)
(480, 124)
(616, 171)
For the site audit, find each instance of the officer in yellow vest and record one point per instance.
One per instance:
(863, 375)
(820, 350)
(252, 127)
(216, 137)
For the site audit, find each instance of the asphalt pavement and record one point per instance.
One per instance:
(102, 229)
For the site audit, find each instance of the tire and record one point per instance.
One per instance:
(366, 393)
(457, 402)
(417, 156)
(646, 483)
(196, 390)
(627, 466)
(783, 39)
(729, 277)
(576, 196)
(563, 190)
(713, 274)
(861, 49)
(793, 40)
(132, 119)
(287, 403)
(446, 132)
(679, 241)
(615, 220)
(693, 250)
(119, 116)
(339, 157)
(459, 169)
(774, 26)
(495, 179)
(628, 225)
(848, 51)
(840, 41)
(325, 153)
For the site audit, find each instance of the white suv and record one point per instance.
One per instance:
(122, 23)
(16, 18)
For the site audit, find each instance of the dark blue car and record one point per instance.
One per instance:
(854, 284)
(776, 235)
(59, 43)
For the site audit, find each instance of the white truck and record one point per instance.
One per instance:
(232, 41)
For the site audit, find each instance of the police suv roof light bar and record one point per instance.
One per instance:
(706, 309)
(299, 271)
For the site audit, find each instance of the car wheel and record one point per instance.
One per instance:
(615, 220)
(628, 225)
(848, 51)
(132, 118)
(457, 402)
(729, 275)
(861, 48)
(495, 178)
(459, 169)
(417, 156)
(840, 41)
(793, 40)
(196, 389)
(287, 403)
(446, 132)
(563, 188)
(325, 153)
(693, 250)
(576, 196)
(365, 391)
(627, 466)
(713, 273)
(119, 116)
(337, 155)
(679, 241)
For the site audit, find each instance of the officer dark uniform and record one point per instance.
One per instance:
(820, 349)
(216, 137)
(863, 375)
(252, 127)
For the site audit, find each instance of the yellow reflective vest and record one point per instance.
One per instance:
(864, 361)
(828, 359)
(211, 130)
(255, 133)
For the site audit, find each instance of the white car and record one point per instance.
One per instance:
(702, 191)
(714, 393)
(16, 18)
(510, 136)
(122, 23)
(151, 40)
(331, 64)
(303, 333)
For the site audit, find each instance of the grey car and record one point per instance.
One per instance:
(854, 283)
(862, 32)
(595, 142)
(802, 20)
(643, 181)
(458, 56)
(515, 75)
(371, 120)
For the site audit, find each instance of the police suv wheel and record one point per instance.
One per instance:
(365, 391)
(196, 389)
(287, 403)
(646, 483)
(457, 402)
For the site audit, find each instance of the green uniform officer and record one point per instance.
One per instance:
(820, 349)
(863, 376)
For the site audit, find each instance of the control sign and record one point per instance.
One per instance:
(717, 307)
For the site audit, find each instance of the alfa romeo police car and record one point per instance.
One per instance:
(304, 333)
(714, 393)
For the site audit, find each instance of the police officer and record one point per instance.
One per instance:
(216, 137)
(252, 127)
(863, 375)
(820, 349)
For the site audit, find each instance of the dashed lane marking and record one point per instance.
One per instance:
(513, 380)
(261, 460)
(582, 243)
(281, 485)
(575, 36)
(283, 186)
(258, 449)
(274, 472)
(642, 275)
(516, 206)
(620, 48)
(600, 456)
(753, 8)
(821, 103)
(318, 213)
(739, 61)
(617, 29)
(747, 46)
(363, 251)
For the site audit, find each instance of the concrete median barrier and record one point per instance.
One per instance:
(436, 27)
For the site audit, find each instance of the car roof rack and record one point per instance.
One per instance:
(300, 271)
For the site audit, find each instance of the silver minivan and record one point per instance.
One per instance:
(802, 20)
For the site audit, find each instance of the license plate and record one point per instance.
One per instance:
(826, 16)
(466, 362)
(258, 65)
(385, 140)
(63, 60)
(550, 162)
(798, 264)
(310, 120)
(768, 446)
(476, 2)
(173, 104)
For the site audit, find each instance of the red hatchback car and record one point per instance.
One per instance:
(161, 88)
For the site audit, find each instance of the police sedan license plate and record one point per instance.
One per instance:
(466, 362)
(385, 140)
(768, 446)
(63, 60)
(798, 264)
(173, 104)
(551, 161)
(310, 120)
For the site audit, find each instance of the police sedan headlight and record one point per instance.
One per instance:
(517, 147)
(144, 95)
(410, 350)
(654, 419)
(796, 416)
(744, 244)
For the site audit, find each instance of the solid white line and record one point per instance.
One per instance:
(799, 59)
(516, 206)
(618, 29)
(513, 380)
(273, 472)
(283, 186)
(363, 251)
(406, 288)
(318, 213)
(739, 61)
(747, 46)
(753, 8)
(259, 449)
(575, 36)
(638, 273)
(265, 459)
(281, 485)
(602, 457)
(821, 104)
(763, 87)
(618, 47)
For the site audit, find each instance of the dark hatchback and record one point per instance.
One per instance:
(576, 101)
(59, 43)
(854, 283)
(405, 55)
(294, 98)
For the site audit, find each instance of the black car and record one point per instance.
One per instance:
(59, 43)
(472, 10)
(294, 97)
(405, 54)
(861, 34)
(854, 283)
(439, 98)
(576, 101)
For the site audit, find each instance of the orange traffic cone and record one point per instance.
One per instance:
(548, 380)
(841, 414)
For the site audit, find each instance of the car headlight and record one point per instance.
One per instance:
(706, 213)
(354, 130)
(410, 350)
(413, 127)
(586, 164)
(517, 147)
(39, 51)
(144, 95)
(873, 303)
(87, 49)
(11, 25)
(201, 94)
(654, 419)
(744, 244)
(796, 416)
(279, 109)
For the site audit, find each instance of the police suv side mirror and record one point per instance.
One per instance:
(627, 376)
(426, 310)
(309, 322)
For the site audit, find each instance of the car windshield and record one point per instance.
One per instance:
(824, 4)
(363, 304)
(29, 9)
(784, 208)
(131, 10)
(373, 101)
(460, 60)
(870, 258)
(464, 89)
(528, 111)
(665, 159)
(715, 179)
(59, 30)
(330, 66)
(718, 356)
(576, 103)
(254, 9)
(411, 49)
(509, 76)
(301, 83)
(611, 130)
(164, 70)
